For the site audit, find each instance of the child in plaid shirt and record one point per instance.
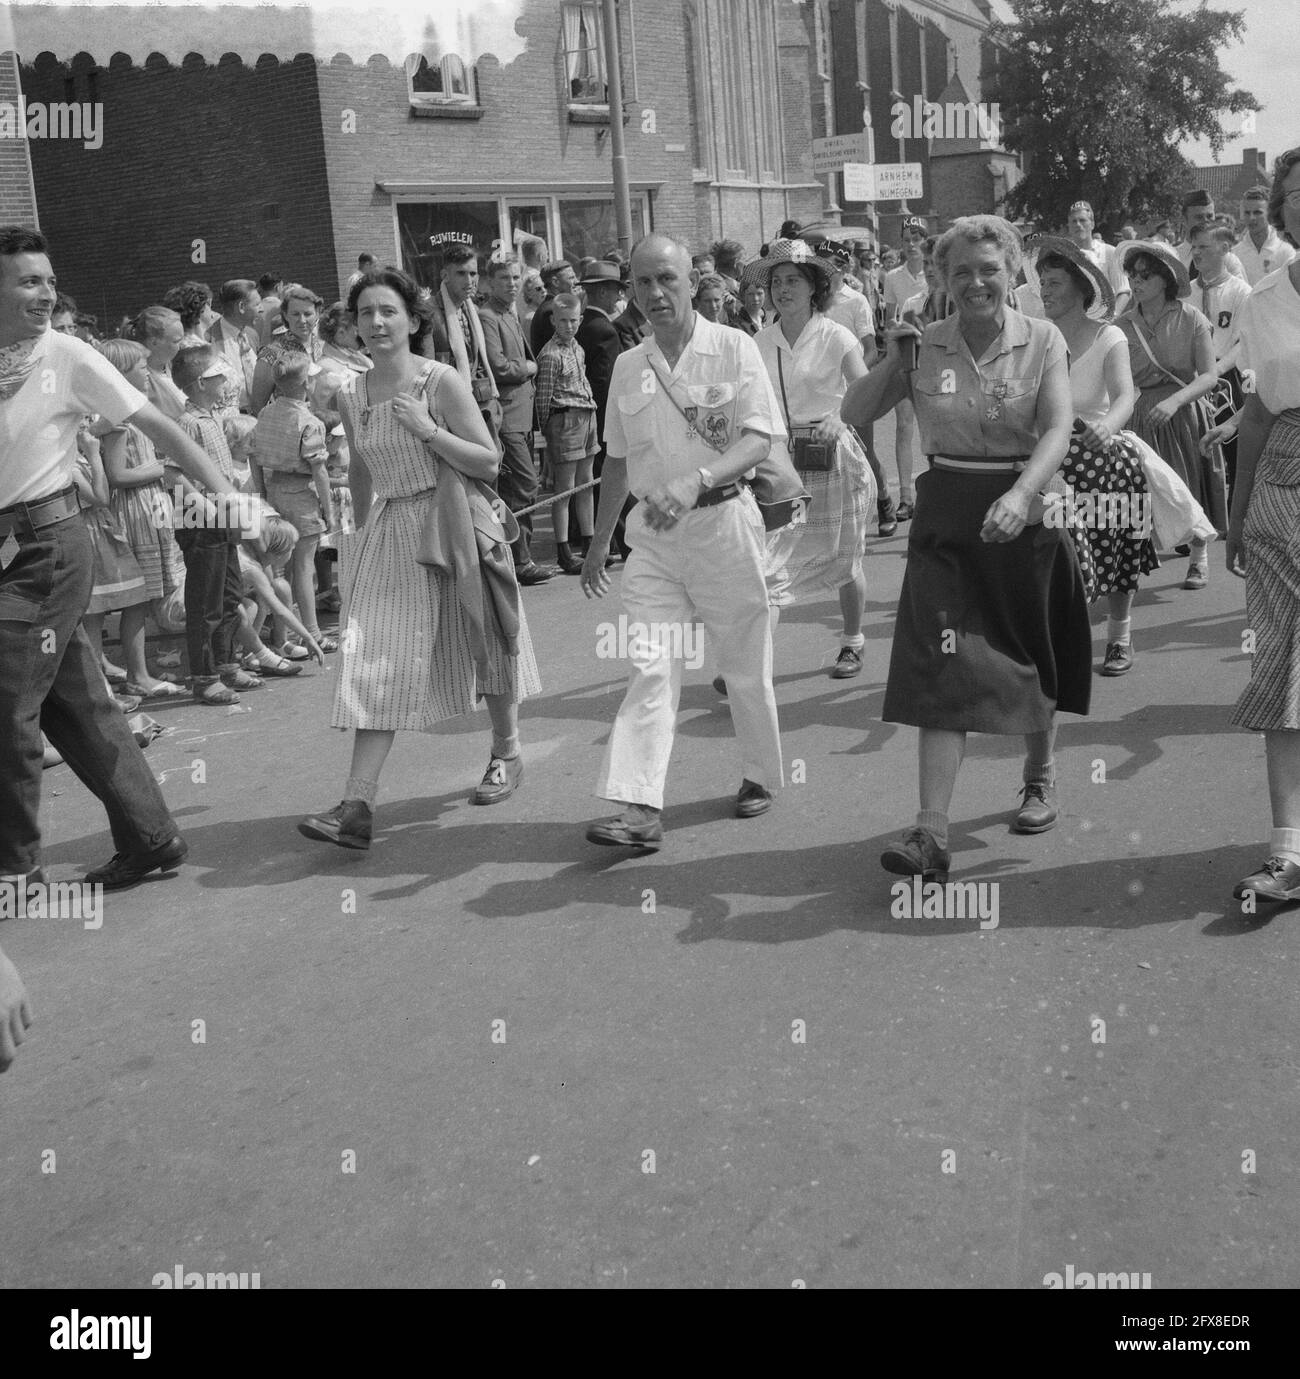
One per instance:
(566, 414)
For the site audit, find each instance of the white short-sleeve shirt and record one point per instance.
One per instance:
(1273, 254)
(1269, 327)
(901, 284)
(38, 425)
(719, 381)
(852, 311)
(812, 369)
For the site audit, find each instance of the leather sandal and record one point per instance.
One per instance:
(216, 693)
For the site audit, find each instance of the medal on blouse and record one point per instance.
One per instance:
(994, 412)
(691, 430)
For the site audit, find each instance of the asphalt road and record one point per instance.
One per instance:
(728, 1064)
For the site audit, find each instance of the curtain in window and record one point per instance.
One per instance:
(584, 47)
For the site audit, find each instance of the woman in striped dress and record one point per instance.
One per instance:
(1262, 538)
(407, 658)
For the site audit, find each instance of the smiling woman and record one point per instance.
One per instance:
(992, 633)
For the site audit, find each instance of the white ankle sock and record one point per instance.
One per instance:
(1286, 845)
(854, 643)
(1118, 630)
(936, 822)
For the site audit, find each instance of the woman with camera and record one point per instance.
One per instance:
(992, 633)
(811, 360)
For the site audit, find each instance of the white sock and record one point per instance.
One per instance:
(1286, 845)
(854, 643)
(1118, 630)
(936, 822)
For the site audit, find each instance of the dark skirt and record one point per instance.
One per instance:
(1178, 443)
(990, 637)
(1112, 559)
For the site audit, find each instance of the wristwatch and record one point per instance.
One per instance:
(706, 479)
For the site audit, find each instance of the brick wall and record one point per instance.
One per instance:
(190, 152)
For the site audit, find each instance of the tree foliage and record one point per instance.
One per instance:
(1100, 93)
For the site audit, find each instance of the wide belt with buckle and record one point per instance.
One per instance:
(712, 496)
(979, 464)
(40, 513)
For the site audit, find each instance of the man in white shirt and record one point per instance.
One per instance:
(235, 334)
(1261, 249)
(1198, 209)
(50, 679)
(1080, 228)
(690, 411)
(901, 285)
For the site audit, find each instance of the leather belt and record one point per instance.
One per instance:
(977, 464)
(26, 518)
(713, 496)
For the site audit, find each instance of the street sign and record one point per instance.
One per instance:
(830, 155)
(881, 181)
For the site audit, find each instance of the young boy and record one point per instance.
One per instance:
(1219, 295)
(289, 463)
(212, 581)
(566, 413)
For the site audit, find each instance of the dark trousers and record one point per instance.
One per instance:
(50, 680)
(517, 483)
(617, 541)
(212, 595)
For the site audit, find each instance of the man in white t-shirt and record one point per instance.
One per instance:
(1261, 249)
(50, 679)
(1080, 227)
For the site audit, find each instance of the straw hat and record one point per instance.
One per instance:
(1076, 258)
(796, 251)
(1164, 253)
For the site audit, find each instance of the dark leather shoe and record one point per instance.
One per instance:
(917, 853)
(535, 574)
(847, 664)
(1037, 812)
(348, 824)
(627, 831)
(752, 800)
(129, 869)
(1276, 880)
(1119, 659)
(500, 780)
(720, 685)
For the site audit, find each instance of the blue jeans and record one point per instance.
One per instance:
(50, 680)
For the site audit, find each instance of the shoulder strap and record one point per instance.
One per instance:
(785, 405)
(1142, 340)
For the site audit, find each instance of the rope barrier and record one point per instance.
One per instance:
(555, 498)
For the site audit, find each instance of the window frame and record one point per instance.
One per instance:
(444, 99)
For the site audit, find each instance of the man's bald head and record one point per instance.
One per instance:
(663, 282)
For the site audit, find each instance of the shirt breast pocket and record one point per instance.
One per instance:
(712, 412)
(638, 420)
(939, 387)
(1012, 402)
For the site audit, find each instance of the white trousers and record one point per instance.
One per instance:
(708, 567)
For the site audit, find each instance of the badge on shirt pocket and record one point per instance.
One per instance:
(713, 412)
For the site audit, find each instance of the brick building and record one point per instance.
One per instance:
(242, 141)
(1227, 183)
(869, 57)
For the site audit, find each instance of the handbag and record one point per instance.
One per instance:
(810, 454)
(494, 524)
(775, 483)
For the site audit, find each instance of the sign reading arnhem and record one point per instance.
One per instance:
(881, 181)
(830, 155)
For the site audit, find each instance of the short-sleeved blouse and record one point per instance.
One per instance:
(1269, 326)
(813, 369)
(289, 344)
(1172, 341)
(987, 408)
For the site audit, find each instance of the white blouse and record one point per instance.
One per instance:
(1268, 323)
(813, 370)
(1088, 391)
